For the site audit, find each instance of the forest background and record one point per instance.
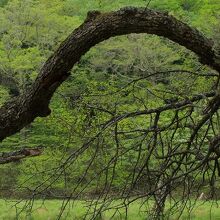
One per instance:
(99, 86)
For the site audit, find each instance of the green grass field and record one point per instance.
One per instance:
(49, 209)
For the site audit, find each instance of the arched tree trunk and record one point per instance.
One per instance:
(19, 112)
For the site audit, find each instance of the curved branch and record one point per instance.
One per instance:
(17, 113)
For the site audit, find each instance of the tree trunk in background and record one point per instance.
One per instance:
(160, 199)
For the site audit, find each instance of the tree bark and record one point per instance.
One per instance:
(160, 197)
(8, 157)
(19, 112)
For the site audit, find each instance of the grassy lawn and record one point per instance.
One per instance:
(49, 209)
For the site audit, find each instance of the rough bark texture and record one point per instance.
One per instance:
(18, 113)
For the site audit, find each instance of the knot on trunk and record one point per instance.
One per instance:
(92, 15)
(41, 107)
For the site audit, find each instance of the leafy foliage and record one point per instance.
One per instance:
(125, 74)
